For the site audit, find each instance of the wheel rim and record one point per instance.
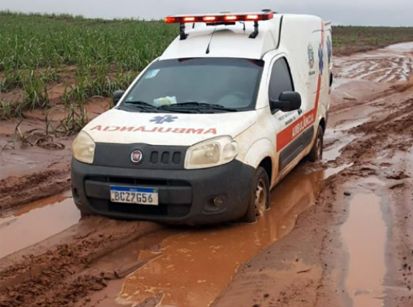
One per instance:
(261, 197)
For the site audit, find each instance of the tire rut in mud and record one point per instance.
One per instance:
(390, 130)
(15, 191)
(64, 274)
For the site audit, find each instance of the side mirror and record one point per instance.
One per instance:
(288, 101)
(117, 95)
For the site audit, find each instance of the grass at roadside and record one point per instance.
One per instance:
(85, 57)
(348, 40)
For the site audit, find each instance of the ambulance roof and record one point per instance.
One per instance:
(225, 40)
(233, 41)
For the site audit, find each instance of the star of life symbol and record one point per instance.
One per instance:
(163, 119)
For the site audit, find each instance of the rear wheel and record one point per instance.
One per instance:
(260, 196)
(316, 153)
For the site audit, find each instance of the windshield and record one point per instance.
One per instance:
(197, 85)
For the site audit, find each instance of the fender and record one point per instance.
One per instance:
(258, 151)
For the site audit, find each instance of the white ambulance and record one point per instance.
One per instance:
(208, 128)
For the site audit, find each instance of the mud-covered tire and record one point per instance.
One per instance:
(260, 196)
(84, 212)
(316, 153)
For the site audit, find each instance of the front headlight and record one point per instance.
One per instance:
(83, 148)
(212, 152)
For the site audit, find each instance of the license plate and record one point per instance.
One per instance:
(140, 196)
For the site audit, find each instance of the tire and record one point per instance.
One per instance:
(84, 212)
(316, 153)
(260, 196)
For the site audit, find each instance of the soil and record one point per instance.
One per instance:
(338, 232)
(316, 265)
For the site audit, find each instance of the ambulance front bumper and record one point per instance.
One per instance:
(205, 196)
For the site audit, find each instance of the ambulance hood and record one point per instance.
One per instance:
(123, 127)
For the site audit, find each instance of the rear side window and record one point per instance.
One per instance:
(281, 79)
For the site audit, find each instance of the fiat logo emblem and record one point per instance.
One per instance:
(136, 156)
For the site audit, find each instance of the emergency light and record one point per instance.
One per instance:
(219, 18)
(216, 19)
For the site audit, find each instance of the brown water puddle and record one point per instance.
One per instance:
(37, 221)
(364, 234)
(193, 267)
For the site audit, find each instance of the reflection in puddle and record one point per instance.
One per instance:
(36, 222)
(42, 203)
(364, 234)
(335, 170)
(193, 267)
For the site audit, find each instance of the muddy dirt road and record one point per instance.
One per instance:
(339, 233)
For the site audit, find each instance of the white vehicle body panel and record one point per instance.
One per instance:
(123, 127)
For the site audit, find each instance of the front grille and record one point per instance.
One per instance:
(166, 157)
(154, 156)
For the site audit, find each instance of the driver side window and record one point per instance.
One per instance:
(281, 79)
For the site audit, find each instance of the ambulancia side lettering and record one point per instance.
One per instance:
(303, 124)
(154, 129)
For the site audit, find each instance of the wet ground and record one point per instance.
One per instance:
(36, 222)
(339, 233)
(191, 268)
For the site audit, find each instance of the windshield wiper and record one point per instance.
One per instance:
(196, 106)
(142, 104)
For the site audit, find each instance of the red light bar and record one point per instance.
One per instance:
(189, 19)
(209, 18)
(219, 18)
(252, 17)
(231, 18)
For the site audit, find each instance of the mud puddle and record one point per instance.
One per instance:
(192, 268)
(337, 136)
(36, 221)
(364, 235)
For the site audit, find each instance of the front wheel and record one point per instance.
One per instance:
(84, 212)
(316, 153)
(260, 196)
